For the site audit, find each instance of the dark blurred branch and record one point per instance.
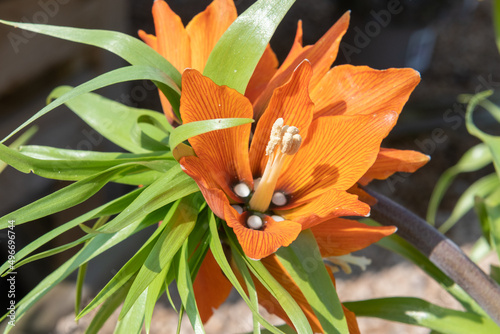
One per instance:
(443, 252)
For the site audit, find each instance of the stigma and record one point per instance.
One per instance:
(284, 141)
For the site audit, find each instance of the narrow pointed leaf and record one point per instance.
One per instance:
(179, 223)
(314, 281)
(192, 129)
(238, 51)
(173, 185)
(99, 244)
(186, 292)
(120, 124)
(110, 208)
(414, 311)
(71, 165)
(474, 159)
(123, 74)
(482, 187)
(132, 322)
(220, 257)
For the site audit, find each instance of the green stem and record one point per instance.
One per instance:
(443, 252)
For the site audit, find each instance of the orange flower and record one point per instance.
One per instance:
(307, 179)
(190, 46)
(299, 185)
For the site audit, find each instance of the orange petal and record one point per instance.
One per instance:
(290, 102)
(198, 171)
(363, 196)
(173, 40)
(390, 161)
(352, 323)
(211, 287)
(148, 39)
(260, 243)
(206, 28)
(355, 90)
(225, 152)
(336, 153)
(321, 55)
(331, 204)
(266, 68)
(296, 49)
(340, 236)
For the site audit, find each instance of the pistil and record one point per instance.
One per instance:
(284, 140)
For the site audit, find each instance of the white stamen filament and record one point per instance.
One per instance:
(254, 222)
(344, 262)
(289, 142)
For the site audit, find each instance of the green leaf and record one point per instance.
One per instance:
(179, 223)
(252, 292)
(80, 278)
(108, 308)
(95, 247)
(110, 208)
(123, 74)
(125, 274)
(234, 58)
(474, 159)
(414, 311)
(465, 203)
(286, 301)
(23, 139)
(480, 250)
(185, 288)
(398, 245)
(70, 165)
(495, 273)
(173, 185)
(303, 261)
(496, 21)
(121, 124)
(65, 198)
(192, 129)
(492, 204)
(220, 257)
(493, 142)
(154, 292)
(129, 48)
(132, 322)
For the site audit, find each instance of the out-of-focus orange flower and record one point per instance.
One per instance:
(190, 46)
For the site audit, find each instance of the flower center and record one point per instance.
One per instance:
(284, 140)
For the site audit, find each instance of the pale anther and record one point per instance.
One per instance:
(242, 190)
(254, 222)
(279, 199)
(275, 137)
(238, 208)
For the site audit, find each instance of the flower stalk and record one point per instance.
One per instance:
(443, 252)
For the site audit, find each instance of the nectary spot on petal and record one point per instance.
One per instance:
(261, 243)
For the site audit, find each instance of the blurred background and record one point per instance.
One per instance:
(451, 43)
